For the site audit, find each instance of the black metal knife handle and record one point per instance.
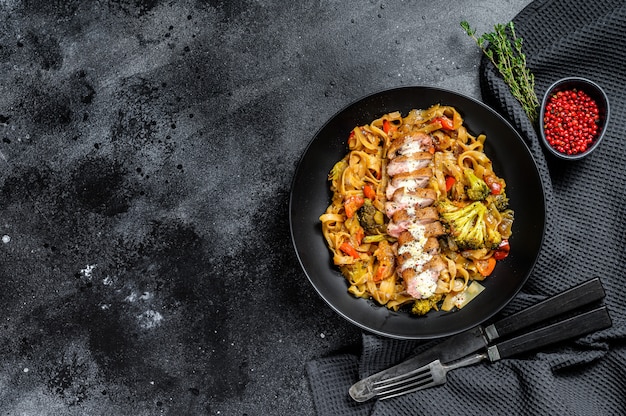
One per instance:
(569, 328)
(566, 301)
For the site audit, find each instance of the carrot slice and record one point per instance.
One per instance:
(369, 191)
(348, 249)
(485, 267)
(352, 204)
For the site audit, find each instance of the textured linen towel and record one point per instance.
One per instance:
(585, 237)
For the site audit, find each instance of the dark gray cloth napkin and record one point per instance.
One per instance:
(585, 237)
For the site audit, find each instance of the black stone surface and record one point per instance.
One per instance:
(146, 155)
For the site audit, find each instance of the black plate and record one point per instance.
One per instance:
(310, 196)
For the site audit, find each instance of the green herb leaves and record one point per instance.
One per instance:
(504, 49)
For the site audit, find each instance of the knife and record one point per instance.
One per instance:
(472, 340)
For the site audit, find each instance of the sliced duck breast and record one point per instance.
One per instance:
(414, 221)
(420, 285)
(409, 144)
(434, 229)
(418, 232)
(423, 284)
(420, 216)
(419, 174)
(417, 254)
(406, 218)
(409, 180)
(431, 229)
(403, 198)
(395, 230)
(410, 163)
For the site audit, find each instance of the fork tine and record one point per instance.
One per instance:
(414, 375)
(418, 379)
(430, 375)
(409, 389)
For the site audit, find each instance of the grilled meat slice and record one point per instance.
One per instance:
(410, 163)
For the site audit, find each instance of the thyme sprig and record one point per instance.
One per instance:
(504, 50)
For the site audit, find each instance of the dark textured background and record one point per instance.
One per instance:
(146, 154)
(586, 219)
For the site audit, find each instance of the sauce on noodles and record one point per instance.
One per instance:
(397, 224)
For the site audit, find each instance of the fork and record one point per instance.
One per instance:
(434, 374)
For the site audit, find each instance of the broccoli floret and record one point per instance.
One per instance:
(501, 202)
(371, 219)
(467, 225)
(492, 238)
(422, 306)
(477, 189)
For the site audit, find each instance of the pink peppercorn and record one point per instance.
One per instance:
(570, 121)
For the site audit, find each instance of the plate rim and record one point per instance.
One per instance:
(391, 91)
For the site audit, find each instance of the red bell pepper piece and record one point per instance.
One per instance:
(503, 250)
(493, 184)
(388, 127)
(450, 181)
(445, 122)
